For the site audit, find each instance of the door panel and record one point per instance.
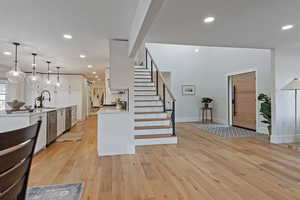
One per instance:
(244, 100)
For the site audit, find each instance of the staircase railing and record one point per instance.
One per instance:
(162, 88)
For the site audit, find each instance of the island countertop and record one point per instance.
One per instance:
(35, 112)
(111, 110)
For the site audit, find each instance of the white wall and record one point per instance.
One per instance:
(286, 67)
(208, 70)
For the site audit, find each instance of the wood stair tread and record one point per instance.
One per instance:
(144, 113)
(145, 90)
(153, 136)
(154, 106)
(152, 119)
(140, 95)
(151, 100)
(151, 127)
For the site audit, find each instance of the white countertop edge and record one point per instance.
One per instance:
(25, 114)
(111, 110)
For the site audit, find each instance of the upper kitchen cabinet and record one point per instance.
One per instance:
(121, 66)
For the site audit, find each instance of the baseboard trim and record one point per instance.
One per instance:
(279, 139)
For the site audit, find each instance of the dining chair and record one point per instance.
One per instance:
(16, 152)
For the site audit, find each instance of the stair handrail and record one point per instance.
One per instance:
(160, 74)
(164, 88)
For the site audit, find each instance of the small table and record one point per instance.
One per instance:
(205, 114)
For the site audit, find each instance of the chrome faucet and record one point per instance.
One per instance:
(41, 99)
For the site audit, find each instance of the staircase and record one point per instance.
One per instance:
(153, 123)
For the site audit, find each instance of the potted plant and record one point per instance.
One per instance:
(206, 101)
(265, 110)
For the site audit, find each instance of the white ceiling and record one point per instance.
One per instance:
(239, 23)
(40, 24)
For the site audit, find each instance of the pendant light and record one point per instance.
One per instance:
(33, 78)
(57, 82)
(15, 75)
(48, 81)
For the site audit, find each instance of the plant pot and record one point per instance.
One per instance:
(270, 131)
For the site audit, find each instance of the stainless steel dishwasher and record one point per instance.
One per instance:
(51, 126)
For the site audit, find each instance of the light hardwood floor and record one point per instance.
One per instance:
(201, 166)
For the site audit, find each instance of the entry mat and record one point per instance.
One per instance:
(56, 192)
(226, 131)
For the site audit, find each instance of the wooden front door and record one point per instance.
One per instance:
(244, 100)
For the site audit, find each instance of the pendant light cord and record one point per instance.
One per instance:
(48, 73)
(34, 64)
(16, 54)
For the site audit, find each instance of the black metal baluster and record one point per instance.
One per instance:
(173, 118)
(151, 70)
(146, 59)
(156, 81)
(164, 97)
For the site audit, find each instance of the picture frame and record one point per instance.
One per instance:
(188, 90)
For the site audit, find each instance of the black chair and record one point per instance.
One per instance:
(16, 152)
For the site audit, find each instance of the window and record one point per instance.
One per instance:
(3, 93)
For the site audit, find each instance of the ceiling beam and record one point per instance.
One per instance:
(145, 14)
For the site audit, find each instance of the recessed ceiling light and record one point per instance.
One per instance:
(96, 76)
(67, 36)
(94, 72)
(7, 53)
(99, 79)
(208, 20)
(82, 56)
(196, 50)
(90, 66)
(287, 27)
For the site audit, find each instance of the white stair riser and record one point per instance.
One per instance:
(146, 97)
(144, 84)
(148, 103)
(156, 141)
(141, 70)
(145, 88)
(150, 116)
(139, 67)
(144, 92)
(154, 123)
(142, 76)
(150, 109)
(153, 131)
(142, 80)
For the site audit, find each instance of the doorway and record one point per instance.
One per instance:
(242, 95)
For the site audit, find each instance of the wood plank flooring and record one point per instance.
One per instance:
(200, 166)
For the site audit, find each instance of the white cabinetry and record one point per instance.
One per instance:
(61, 118)
(42, 136)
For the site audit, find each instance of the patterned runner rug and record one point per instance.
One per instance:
(226, 131)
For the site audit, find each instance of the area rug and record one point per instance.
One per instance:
(56, 192)
(70, 137)
(226, 131)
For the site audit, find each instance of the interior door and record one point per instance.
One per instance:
(244, 100)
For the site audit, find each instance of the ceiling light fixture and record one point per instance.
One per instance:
(196, 50)
(15, 75)
(287, 27)
(208, 20)
(48, 81)
(94, 72)
(82, 56)
(96, 76)
(33, 78)
(90, 66)
(7, 53)
(67, 36)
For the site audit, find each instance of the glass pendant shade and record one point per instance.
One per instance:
(34, 77)
(15, 75)
(58, 81)
(48, 80)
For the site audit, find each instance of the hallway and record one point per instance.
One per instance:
(200, 166)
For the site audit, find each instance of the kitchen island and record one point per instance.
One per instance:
(115, 132)
(51, 128)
